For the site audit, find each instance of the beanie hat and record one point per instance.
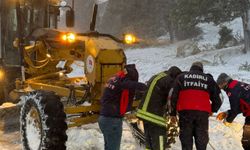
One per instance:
(132, 72)
(174, 71)
(222, 78)
(197, 64)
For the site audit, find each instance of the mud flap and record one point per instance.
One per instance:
(246, 137)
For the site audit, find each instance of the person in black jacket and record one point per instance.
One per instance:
(195, 96)
(153, 108)
(239, 98)
(115, 102)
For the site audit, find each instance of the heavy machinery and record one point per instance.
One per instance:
(58, 76)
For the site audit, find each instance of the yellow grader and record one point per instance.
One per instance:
(59, 76)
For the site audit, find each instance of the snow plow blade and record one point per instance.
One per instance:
(9, 118)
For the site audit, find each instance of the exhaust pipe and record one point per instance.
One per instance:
(93, 21)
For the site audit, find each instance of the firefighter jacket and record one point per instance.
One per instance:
(239, 98)
(195, 90)
(118, 95)
(153, 105)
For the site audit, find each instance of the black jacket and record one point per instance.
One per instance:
(239, 98)
(159, 95)
(111, 98)
(194, 90)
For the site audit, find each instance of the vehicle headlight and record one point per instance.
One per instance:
(1, 74)
(69, 37)
(129, 39)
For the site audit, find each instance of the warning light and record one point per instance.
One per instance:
(69, 37)
(129, 39)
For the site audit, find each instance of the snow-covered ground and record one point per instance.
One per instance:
(155, 60)
(150, 61)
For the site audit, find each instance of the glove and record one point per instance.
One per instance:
(221, 116)
(139, 95)
(227, 123)
(173, 119)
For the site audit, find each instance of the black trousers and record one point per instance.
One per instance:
(193, 124)
(155, 136)
(246, 135)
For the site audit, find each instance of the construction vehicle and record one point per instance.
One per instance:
(58, 76)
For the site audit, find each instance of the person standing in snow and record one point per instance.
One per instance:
(153, 108)
(239, 98)
(195, 96)
(116, 100)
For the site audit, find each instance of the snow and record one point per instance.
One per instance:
(101, 1)
(210, 37)
(33, 135)
(61, 64)
(77, 69)
(89, 137)
(7, 104)
(236, 26)
(150, 61)
(10, 141)
(227, 60)
(153, 60)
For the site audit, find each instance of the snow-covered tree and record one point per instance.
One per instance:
(146, 18)
(227, 10)
(189, 13)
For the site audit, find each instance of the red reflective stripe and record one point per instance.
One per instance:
(233, 84)
(244, 107)
(124, 96)
(124, 102)
(194, 100)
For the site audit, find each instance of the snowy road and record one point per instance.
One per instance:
(89, 137)
(10, 140)
(86, 137)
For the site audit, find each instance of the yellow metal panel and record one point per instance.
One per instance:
(83, 120)
(106, 43)
(100, 42)
(91, 55)
(108, 71)
(111, 56)
(61, 91)
(81, 109)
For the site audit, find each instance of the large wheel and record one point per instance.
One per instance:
(43, 125)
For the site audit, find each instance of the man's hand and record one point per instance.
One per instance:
(237, 127)
(228, 124)
(221, 116)
(173, 119)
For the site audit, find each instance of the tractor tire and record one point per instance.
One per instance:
(43, 125)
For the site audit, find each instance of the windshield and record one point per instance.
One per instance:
(8, 33)
(32, 16)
